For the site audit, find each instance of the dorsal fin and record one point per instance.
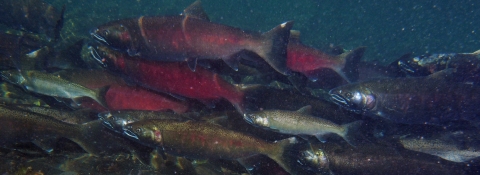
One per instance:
(305, 110)
(195, 10)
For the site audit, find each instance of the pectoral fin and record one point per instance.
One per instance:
(192, 64)
(321, 137)
(47, 144)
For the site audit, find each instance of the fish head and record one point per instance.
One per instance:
(113, 122)
(413, 66)
(354, 97)
(314, 159)
(106, 57)
(144, 133)
(113, 34)
(257, 119)
(13, 76)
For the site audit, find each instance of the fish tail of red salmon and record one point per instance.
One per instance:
(274, 47)
(349, 70)
(232, 93)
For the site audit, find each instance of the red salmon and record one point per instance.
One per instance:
(308, 60)
(171, 77)
(120, 96)
(192, 36)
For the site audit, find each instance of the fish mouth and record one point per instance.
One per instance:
(405, 67)
(130, 134)
(343, 102)
(339, 100)
(108, 125)
(248, 118)
(94, 54)
(104, 117)
(98, 38)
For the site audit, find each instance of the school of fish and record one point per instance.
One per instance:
(184, 95)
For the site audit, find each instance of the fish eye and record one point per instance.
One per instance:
(106, 32)
(138, 130)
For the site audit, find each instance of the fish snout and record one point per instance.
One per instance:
(95, 55)
(314, 159)
(248, 118)
(256, 119)
(127, 131)
(98, 37)
(337, 98)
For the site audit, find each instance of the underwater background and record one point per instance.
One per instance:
(388, 28)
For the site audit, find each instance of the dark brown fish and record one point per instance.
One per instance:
(370, 159)
(204, 140)
(418, 100)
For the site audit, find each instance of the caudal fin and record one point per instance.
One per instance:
(100, 96)
(278, 153)
(274, 51)
(349, 131)
(350, 71)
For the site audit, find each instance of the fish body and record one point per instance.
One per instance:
(445, 149)
(116, 120)
(121, 96)
(300, 123)
(20, 126)
(309, 61)
(467, 63)
(32, 15)
(417, 100)
(171, 77)
(203, 140)
(51, 85)
(371, 159)
(192, 36)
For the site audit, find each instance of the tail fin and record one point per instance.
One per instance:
(275, 52)
(278, 154)
(82, 136)
(349, 131)
(100, 96)
(350, 71)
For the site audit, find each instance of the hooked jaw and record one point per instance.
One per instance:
(130, 134)
(111, 122)
(97, 37)
(357, 101)
(256, 120)
(248, 118)
(96, 56)
(339, 100)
